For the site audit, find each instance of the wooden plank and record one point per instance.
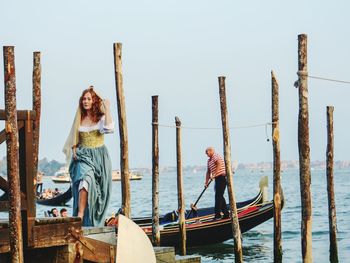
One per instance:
(72, 253)
(102, 251)
(21, 115)
(2, 136)
(4, 185)
(3, 132)
(29, 169)
(4, 205)
(28, 178)
(4, 240)
(53, 234)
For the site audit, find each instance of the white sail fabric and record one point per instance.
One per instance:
(133, 245)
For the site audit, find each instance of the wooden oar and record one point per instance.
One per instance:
(193, 207)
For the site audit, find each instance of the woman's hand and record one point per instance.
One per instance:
(106, 104)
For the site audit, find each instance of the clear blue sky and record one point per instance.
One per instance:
(177, 49)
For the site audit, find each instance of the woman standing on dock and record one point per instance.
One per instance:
(90, 165)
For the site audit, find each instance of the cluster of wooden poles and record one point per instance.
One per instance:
(20, 160)
(303, 143)
(304, 164)
(155, 161)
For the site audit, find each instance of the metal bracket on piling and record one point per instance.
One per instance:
(77, 235)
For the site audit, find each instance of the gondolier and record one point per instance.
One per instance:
(216, 170)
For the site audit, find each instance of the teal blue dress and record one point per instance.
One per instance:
(92, 170)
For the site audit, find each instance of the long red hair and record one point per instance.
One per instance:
(96, 105)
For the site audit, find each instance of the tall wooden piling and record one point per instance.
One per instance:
(15, 219)
(277, 194)
(180, 195)
(236, 232)
(333, 248)
(155, 174)
(37, 108)
(304, 152)
(123, 132)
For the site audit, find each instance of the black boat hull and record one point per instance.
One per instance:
(202, 229)
(211, 232)
(59, 200)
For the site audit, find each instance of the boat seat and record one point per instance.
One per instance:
(55, 220)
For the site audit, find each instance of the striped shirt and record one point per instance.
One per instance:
(213, 163)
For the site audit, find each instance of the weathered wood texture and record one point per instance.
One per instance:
(103, 252)
(53, 232)
(155, 174)
(26, 172)
(37, 108)
(123, 132)
(15, 226)
(277, 191)
(304, 152)
(20, 124)
(5, 206)
(236, 232)
(333, 247)
(71, 253)
(21, 115)
(180, 194)
(4, 237)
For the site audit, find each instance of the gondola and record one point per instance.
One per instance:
(58, 200)
(202, 229)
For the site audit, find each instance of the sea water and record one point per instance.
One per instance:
(258, 242)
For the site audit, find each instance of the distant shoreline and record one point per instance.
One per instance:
(49, 168)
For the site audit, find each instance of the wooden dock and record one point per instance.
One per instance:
(167, 255)
(59, 240)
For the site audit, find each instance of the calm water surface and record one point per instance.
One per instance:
(257, 243)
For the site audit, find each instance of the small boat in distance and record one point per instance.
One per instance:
(59, 199)
(61, 176)
(132, 176)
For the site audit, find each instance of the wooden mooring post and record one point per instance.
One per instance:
(277, 190)
(123, 132)
(37, 108)
(236, 232)
(304, 152)
(15, 219)
(180, 194)
(155, 174)
(333, 248)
